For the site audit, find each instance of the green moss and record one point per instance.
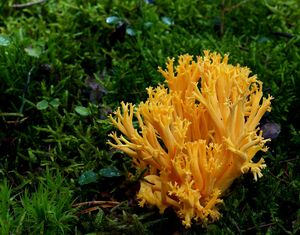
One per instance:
(65, 65)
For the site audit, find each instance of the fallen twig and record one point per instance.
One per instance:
(11, 114)
(228, 9)
(93, 203)
(290, 160)
(260, 226)
(28, 4)
(88, 210)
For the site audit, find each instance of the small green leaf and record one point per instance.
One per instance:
(83, 111)
(42, 105)
(110, 171)
(130, 31)
(87, 178)
(55, 103)
(113, 20)
(4, 40)
(33, 51)
(167, 20)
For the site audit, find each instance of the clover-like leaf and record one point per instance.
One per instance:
(42, 105)
(88, 177)
(109, 172)
(83, 111)
(55, 103)
(33, 51)
(4, 40)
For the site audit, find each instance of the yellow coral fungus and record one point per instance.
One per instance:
(196, 136)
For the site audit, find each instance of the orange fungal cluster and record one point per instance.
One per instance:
(195, 135)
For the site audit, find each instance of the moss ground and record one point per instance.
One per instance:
(66, 64)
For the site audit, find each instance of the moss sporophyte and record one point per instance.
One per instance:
(196, 134)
